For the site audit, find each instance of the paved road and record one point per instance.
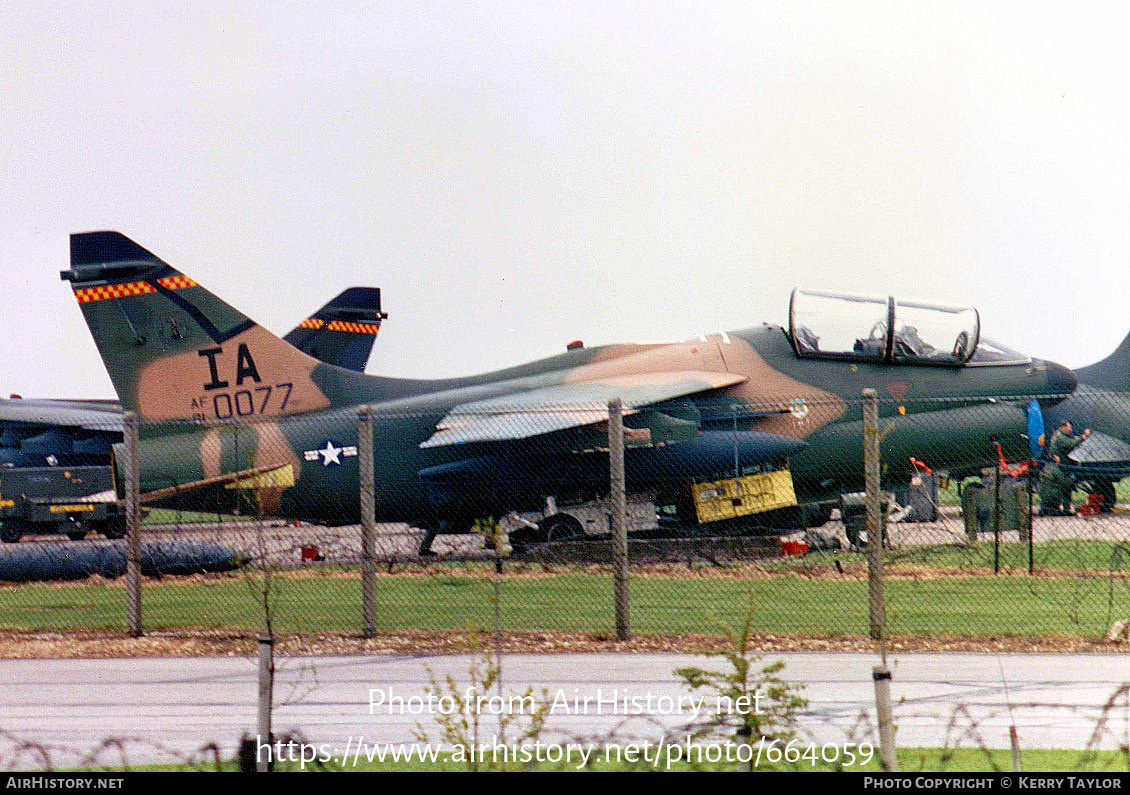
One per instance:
(166, 709)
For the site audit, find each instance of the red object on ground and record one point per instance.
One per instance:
(793, 548)
(310, 553)
(1093, 506)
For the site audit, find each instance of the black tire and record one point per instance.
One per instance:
(854, 527)
(560, 527)
(817, 514)
(114, 529)
(523, 538)
(76, 535)
(791, 518)
(11, 532)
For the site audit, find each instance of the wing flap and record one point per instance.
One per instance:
(563, 406)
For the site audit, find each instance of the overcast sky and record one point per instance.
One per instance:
(519, 175)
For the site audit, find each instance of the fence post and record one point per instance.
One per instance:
(880, 674)
(888, 753)
(366, 469)
(265, 703)
(619, 507)
(997, 518)
(131, 471)
(874, 516)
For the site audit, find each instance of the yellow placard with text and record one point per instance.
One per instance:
(733, 497)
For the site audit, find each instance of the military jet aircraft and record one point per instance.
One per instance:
(39, 432)
(731, 424)
(1102, 403)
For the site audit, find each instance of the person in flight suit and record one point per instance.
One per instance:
(1055, 484)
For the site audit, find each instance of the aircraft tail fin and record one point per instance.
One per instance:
(175, 351)
(343, 331)
(1112, 373)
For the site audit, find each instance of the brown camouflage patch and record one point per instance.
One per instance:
(804, 408)
(651, 361)
(274, 449)
(211, 451)
(250, 376)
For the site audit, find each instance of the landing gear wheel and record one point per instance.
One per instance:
(523, 538)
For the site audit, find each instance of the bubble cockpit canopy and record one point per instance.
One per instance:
(860, 328)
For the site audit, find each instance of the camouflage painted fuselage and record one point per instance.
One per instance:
(940, 416)
(226, 396)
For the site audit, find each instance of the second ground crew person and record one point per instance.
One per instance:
(1055, 484)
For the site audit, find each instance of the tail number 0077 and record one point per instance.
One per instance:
(254, 402)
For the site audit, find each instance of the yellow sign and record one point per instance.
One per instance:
(83, 508)
(727, 499)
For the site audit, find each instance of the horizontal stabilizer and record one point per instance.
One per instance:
(563, 406)
(1099, 448)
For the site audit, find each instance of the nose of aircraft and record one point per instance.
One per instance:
(1061, 381)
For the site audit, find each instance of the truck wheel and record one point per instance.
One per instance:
(76, 535)
(560, 527)
(10, 532)
(817, 514)
(854, 527)
(114, 530)
(521, 539)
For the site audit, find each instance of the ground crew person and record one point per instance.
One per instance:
(1055, 484)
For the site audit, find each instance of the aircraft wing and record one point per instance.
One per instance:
(563, 406)
(63, 413)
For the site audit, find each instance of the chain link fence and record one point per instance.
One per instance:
(725, 501)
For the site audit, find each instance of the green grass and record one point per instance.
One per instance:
(1007, 605)
(166, 516)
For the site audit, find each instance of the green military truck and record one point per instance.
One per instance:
(71, 500)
